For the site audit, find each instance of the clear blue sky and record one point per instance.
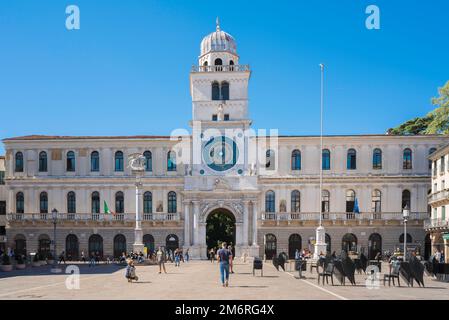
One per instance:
(126, 72)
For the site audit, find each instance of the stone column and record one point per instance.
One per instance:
(245, 222)
(254, 223)
(138, 233)
(187, 223)
(196, 217)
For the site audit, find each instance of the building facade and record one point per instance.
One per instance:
(3, 197)
(438, 224)
(222, 181)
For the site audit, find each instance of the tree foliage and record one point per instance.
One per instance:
(435, 122)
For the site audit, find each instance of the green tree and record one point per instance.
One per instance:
(440, 116)
(435, 122)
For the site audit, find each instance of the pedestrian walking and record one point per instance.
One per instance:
(231, 259)
(187, 255)
(160, 258)
(212, 255)
(223, 259)
(92, 260)
(177, 257)
(61, 257)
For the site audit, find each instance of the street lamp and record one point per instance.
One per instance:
(137, 163)
(405, 216)
(54, 215)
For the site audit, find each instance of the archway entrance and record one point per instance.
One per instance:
(220, 227)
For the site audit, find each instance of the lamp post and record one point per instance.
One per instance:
(54, 216)
(405, 216)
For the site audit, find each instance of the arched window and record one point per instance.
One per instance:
(21, 245)
(95, 161)
(432, 150)
(96, 244)
(19, 162)
(72, 247)
(20, 203)
(295, 201)
(374, 245)
(44, 246)
(270, 201)
(43, 202)
(407, 159)
(119, 161)
(218, 62)
(270, 159)
(148, 161)
(294, 243)
(171, 161)
(270, 246)
(224, 90)
(406, 198)
(71, 202)
(148, 242)
(231, 65)
(350, 200)
(409, 238)
(147, 202)
(172, 207)
(326, 156)
(325, 201)
(43, 161)
(215, 90)
(71, 164)
(119, 245)
(95, 202)
(119, 202)
(296, 160)
(377, 159)
(349, 242)
(351, 161)
(376, 201)
(205, 63)
(172, 242)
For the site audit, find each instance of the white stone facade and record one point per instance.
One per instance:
(438, 224)
(226, 173)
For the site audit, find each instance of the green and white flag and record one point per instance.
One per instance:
(106, 208)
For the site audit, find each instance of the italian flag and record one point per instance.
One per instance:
(106, 209)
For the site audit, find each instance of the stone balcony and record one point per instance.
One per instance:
(436, 224)
(439, 197)
(226, 68)
(341, 218)
(126, 219)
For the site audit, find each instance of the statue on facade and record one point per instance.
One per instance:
(220, 116)
(283, 206)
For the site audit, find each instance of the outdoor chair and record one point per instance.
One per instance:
(394, 274)
(326, 273)
(314, 265)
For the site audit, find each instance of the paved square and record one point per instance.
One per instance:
(198, 280)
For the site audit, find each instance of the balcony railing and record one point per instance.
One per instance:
(438, 196)
(227, 68)
(340, 216)
(436, 223)
(36, 217)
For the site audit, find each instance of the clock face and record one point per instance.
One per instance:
(220, 153)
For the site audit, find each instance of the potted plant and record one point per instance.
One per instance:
(20, 263)
(6, 263)
(36, 262)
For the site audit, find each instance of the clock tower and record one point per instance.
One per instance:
(219, 90)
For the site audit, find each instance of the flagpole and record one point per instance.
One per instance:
(321, 143)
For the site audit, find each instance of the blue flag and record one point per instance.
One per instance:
(356, 206)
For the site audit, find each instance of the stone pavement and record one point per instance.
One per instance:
(198, 280)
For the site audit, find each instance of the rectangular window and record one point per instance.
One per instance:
(443, 213)
(2, 231)
(443, 185)
(435, 187)
(435, 213)
(2, 177)
(2, 208)
(435, 168)
(442, 165)
(226, 117)
(214, 117)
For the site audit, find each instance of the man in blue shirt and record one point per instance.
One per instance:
(223, 258)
